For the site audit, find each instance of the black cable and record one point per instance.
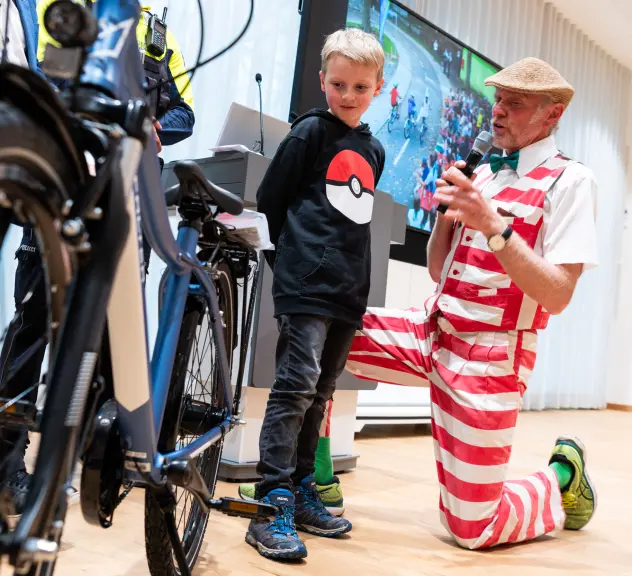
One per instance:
(200, 49)
(215, 56)
(261, 114)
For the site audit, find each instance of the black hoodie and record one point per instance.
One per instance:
(317, 195)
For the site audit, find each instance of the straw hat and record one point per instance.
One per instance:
(533, 76)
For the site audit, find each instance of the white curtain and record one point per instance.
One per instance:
(268, 48)
(571, 366)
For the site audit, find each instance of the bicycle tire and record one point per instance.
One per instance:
(407, 129)
(157, 542)
(25, 144)
(390, 124)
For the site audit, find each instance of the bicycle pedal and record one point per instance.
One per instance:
(243, 508)
(21, 414)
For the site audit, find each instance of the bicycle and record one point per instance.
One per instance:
(423, 131)
(409, 124)
(393, 118)
(133, 423)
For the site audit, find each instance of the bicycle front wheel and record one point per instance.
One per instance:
(195, 398)
(31, 158)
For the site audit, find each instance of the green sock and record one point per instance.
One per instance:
(324, 465)
(564, 472)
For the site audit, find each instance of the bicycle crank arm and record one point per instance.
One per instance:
(243, 508)
(183, 473)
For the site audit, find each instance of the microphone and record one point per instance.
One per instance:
(258, 79)
(482, 145)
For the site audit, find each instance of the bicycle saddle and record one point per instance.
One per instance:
(191, 181)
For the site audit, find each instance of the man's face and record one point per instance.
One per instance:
(349, 88)
(520, 119)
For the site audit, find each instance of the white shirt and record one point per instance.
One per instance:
(16, 52)
(569, 233)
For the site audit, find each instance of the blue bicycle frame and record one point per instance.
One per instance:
(113, 65)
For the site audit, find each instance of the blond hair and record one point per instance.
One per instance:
(355, 45)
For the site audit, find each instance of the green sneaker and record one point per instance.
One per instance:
(580, 498)
(330, 495)
(247, 492)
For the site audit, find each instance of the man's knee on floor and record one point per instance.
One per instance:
(470, 534)
(478, 543)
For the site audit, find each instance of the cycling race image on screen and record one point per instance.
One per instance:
(432, 106)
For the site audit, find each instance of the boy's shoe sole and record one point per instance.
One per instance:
(245, 493)
(293, 554)
(325, 533)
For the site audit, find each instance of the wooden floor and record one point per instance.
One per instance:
(391, 498)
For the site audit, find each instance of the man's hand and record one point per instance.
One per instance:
(466, 203)
(157, 126)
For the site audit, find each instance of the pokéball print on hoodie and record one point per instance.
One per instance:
(350, 186)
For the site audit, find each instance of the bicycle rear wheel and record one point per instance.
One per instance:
(194, 403)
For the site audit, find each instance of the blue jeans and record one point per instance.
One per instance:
(311, 354)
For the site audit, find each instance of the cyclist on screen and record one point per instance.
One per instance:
(425, 111)
(412, 107)
(395, 97)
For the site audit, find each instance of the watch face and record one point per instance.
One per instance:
(496, 243)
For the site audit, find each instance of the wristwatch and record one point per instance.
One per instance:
(498, 241)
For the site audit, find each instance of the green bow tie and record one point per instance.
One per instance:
(496, 161)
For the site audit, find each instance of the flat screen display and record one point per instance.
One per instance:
(433, 104)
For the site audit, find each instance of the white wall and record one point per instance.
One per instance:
(571, 370)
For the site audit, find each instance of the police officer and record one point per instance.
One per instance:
(174, 118)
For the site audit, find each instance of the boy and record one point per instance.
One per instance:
(318, 198)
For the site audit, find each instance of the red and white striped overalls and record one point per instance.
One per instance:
(475, 346)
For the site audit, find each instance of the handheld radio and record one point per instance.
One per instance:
(156, 40)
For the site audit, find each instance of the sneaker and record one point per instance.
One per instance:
(18, 486)
(330, 494)
(73, 496)
(311, 515)
(580, 498)
(247, 492)
(277, 539)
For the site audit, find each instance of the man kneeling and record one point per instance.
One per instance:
(507, 254)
